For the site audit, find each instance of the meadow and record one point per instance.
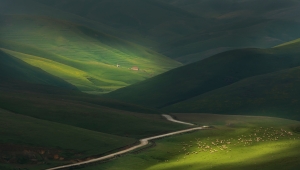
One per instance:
(83, 57)
(233, 142)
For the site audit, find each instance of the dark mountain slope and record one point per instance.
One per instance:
(215, 72)
(149, 19)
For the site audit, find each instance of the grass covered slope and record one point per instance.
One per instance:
(81, 56)
(212, 73)
(26, 140)
(236, 142)
(273, 94)
(15, 70)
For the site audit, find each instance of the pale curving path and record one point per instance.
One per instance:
(143, 142)
(170, 118)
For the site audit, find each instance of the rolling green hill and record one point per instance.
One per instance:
(210, 74)
(82, 110)
(81, 56)
(274, 94)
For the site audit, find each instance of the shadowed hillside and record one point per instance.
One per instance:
(39, 143)
(275, 94)
(237, 24)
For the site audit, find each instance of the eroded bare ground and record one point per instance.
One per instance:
(21, 154)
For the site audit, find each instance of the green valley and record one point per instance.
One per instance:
(83, 57)
(149, 84)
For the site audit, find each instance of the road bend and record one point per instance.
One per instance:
(143, 142)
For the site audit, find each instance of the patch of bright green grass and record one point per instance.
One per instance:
(77, 77)
(236, 142)
(95, 54)
(15, 70)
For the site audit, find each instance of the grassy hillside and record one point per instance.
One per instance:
(14, 70)
(83, 110)
(275, 94)
(79, 55)
(236, 142)
(25, 140)
(215, 72)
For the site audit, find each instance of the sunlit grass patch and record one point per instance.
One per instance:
(235, 142)
(253, 147)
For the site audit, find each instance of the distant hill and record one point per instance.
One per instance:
(226, 9)
(186, 31)
(236, 24)
(84, 57)
(207, 75)
(155, 21)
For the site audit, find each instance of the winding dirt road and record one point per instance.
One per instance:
(143, 142)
